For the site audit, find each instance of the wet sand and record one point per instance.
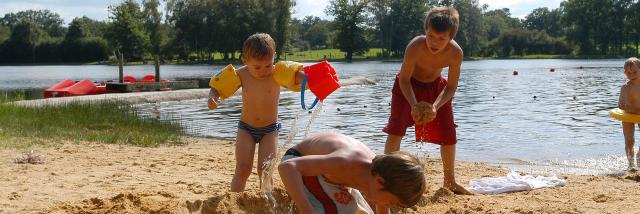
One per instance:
(195, 178)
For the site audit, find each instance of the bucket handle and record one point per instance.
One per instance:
(304, 107)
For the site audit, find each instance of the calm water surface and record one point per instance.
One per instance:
(565, 128)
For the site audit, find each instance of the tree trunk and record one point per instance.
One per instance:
(156, 59)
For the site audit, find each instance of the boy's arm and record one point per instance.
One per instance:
(292, 170)
(299, 76)
(406, 72)
(214, 99)
(622, 100)
(452, 83)
(223, 85)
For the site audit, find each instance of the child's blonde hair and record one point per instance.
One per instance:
(633, 63)
(403, 176)
(259, 46)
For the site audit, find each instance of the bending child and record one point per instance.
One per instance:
(630, 102)
(423, 97)
(326, 173)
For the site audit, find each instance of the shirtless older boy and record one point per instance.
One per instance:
(423, 97)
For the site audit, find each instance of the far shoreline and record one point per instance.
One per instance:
(366, 59)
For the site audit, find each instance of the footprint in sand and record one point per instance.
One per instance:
(15, 196)
(601, 198)
(196, 188)
(633, 177)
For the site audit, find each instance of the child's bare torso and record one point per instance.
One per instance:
(429, 66)
(260, 99)
(632, 100)
(355, 157)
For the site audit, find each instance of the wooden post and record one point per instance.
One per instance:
(120, 58)
(156, 58)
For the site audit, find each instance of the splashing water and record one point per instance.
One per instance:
(266, 186)
(315, 113)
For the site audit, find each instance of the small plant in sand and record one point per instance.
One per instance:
(30, 157)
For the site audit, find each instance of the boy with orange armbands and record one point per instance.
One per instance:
(260, 80)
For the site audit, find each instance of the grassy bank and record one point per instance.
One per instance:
(21, 127)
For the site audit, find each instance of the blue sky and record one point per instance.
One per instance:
(97, 9)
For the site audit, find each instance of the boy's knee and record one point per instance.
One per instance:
(629, 140)
(243, 168)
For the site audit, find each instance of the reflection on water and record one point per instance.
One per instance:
(499, 119)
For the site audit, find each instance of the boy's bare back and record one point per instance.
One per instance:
(630, 98)
(426, 66)
(345, 157)
(260, 98)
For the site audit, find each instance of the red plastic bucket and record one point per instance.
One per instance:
(322, 79)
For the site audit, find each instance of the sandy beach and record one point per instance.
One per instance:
(195, 177)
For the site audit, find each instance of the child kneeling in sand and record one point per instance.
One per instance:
(630, 102)
(260, 81)
(326, 172)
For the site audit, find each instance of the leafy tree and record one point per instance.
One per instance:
(25, 37)
(126, 32)
(77, 30)
(544, 19)
(471, 31)
(350, 19)
(632, 25)
(313, 31)
(282, 13)
(5, 32)
(398, 21)
(92, 28)
(522, 41)
(153, 26)
(45, 19)
(498, 21)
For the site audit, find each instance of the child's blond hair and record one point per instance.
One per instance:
(632, 63)
(259, 46)
(403, 176)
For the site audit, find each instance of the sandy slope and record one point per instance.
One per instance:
(194, 178)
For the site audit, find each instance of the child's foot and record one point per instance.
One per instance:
(459, 190)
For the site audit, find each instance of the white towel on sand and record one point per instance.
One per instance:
(513, 182)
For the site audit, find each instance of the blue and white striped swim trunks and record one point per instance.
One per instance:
(258, 133)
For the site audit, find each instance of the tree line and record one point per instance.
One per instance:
(199, 30)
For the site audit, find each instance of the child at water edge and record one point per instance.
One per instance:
(327, 172)
(260, 84)
(420, 94)
(630, 102)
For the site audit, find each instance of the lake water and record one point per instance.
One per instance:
(565, 128)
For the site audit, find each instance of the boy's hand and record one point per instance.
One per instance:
(431, 113)
(213, 101)
(423, 112)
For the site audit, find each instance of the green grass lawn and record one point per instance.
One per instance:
(22, 127)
